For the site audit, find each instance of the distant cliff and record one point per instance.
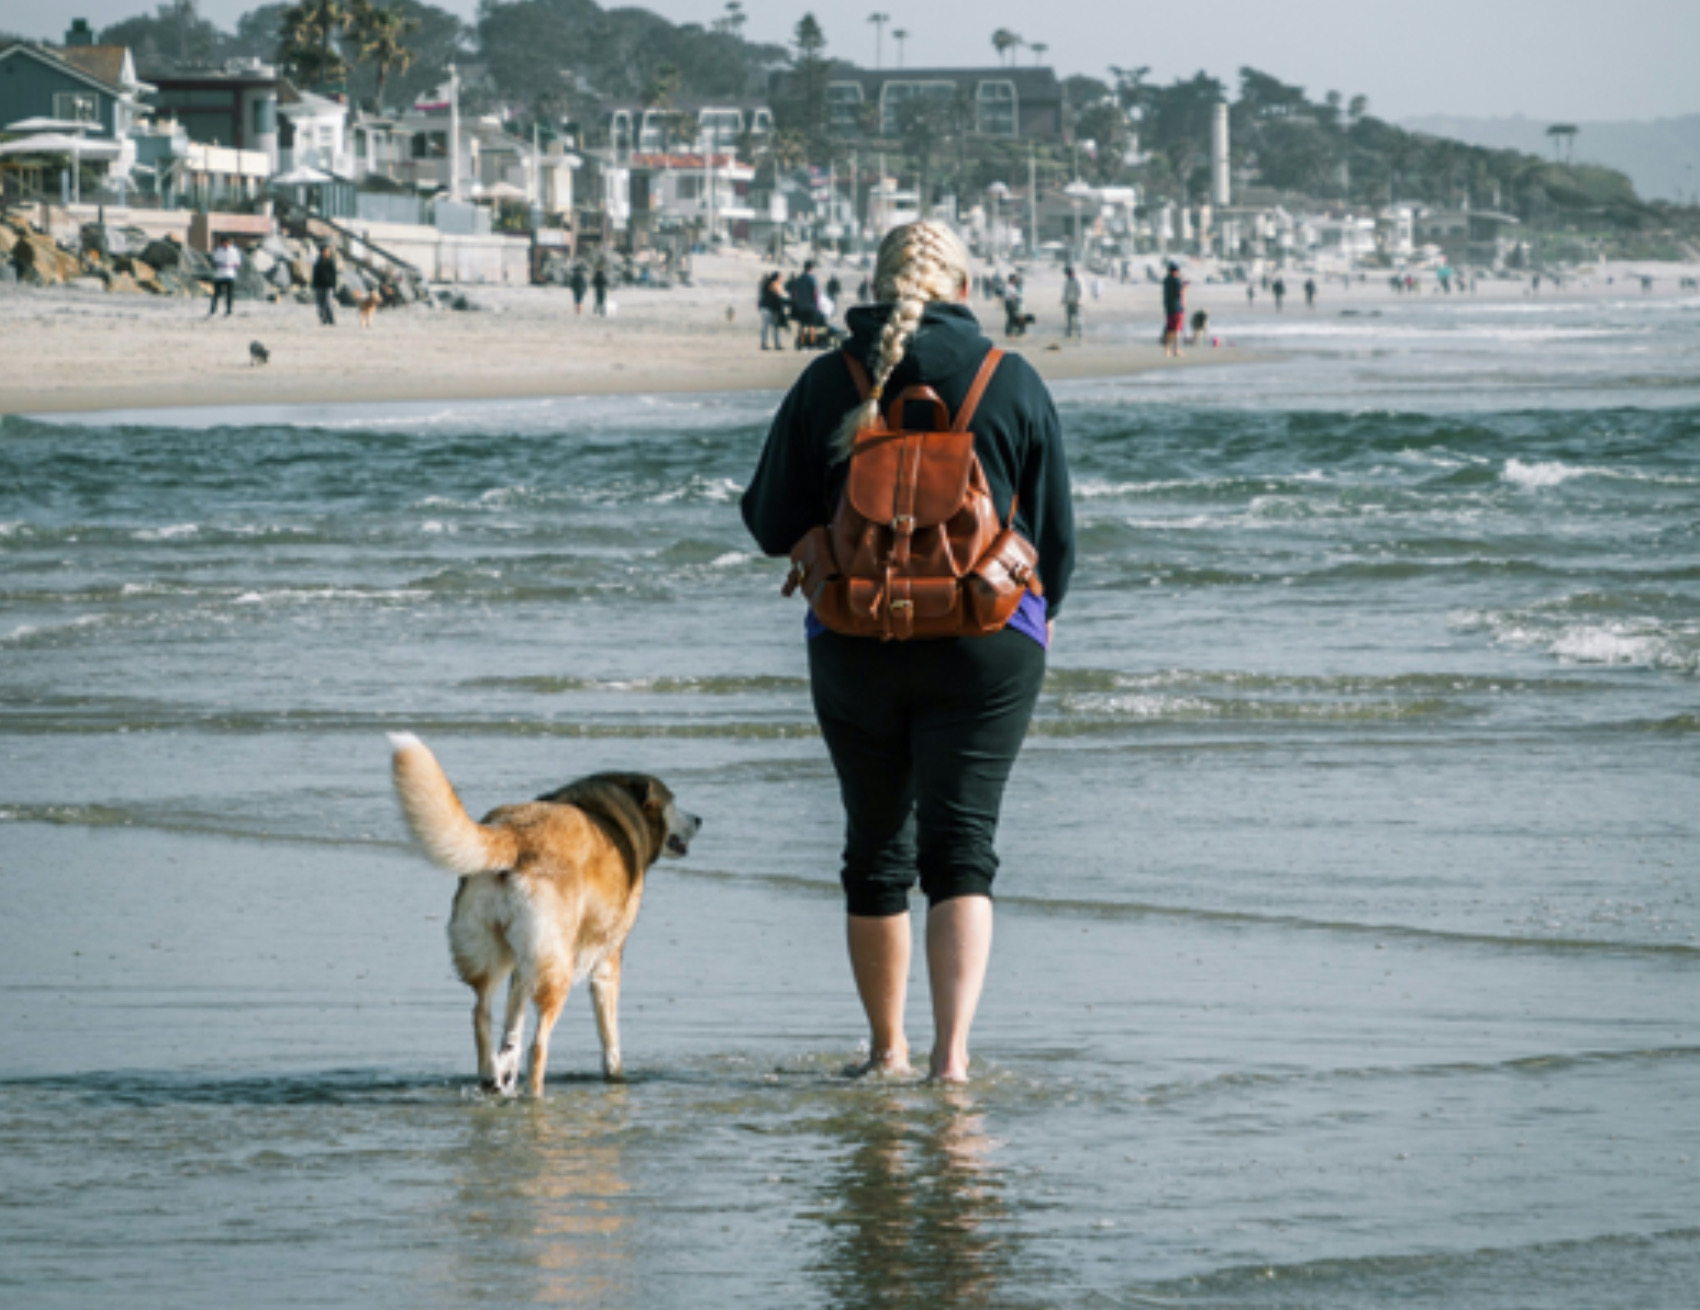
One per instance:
(1662, 158)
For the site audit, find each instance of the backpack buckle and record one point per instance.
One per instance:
(903, 524)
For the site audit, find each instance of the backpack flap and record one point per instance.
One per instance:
(919, 475)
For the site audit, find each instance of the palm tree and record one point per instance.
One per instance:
(899, 35)
(879, 21)
(309, 28)
(380, 37)
(1004, 41)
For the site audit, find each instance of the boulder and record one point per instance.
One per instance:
(99, 240)
(163, 254)
(301, 270)
(261, 260)
(8, 239)
(282, 276)
(37, 259)
(143, 272)
(250, 285)
(123, 282)
(195, 264)
(8, 274)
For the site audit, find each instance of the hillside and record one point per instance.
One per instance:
(1662, 158)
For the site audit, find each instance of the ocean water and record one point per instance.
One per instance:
(1348, 944)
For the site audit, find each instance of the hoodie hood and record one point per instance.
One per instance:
(947, 343)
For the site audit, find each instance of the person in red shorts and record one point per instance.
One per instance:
(1174, 311)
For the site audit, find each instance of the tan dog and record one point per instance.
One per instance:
(368, 305)
(549, 890)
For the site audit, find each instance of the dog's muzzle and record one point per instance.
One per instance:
(680, 829)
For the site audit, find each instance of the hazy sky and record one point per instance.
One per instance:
(1548, 59)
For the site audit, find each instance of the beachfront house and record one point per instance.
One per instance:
(233, 107)
(1481, 237)
(694, 125)
(84, 91)
(1014, 103)
(710, 193)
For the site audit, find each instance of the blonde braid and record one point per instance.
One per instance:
(918, 263)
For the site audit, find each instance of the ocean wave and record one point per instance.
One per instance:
(1571, 631)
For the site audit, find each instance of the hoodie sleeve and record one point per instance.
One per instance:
(1047, 499)
(787, 495)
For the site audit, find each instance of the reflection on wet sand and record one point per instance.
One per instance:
(914, 1212)
(541, 1203)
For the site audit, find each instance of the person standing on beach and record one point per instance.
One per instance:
(579, 284)
(227, 263)
(1174, 311)
(1071, 303)
(771, 302)
(1310, 293)
(324, 285)
(922, 733)
(599, 284)
(1279, 291)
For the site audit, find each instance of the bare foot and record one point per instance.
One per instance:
(887, 1064)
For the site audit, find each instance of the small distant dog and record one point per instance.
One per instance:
(368, 306)
(258, 354)
(549, 891)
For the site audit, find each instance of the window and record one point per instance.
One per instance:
(995, 108)
(724, 124)
(894, 95)
(689, 186)
(843, 108)
(762, 123)
(76, 106)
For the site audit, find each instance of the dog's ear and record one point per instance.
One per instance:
(650, 794)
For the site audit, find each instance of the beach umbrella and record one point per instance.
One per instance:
(301, 176)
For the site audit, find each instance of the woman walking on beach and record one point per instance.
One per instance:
(922, 732)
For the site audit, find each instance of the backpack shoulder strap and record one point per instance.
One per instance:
(972, 401)
(858, 374)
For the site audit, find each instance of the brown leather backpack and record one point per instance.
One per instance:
(915, 548)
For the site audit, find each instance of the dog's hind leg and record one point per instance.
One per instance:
(551, 997)
(605, 991)
(484, 989)
(513, 1024)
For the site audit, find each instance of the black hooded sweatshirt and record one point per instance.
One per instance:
(1016, 435)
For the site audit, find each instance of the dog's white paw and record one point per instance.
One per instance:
(507, 1070)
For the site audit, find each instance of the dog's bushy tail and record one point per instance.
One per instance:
(439, 820)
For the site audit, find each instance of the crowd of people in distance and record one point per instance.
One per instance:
(802, 303)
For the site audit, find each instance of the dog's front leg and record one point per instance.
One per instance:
(605, 991)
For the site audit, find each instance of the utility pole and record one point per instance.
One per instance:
(454, 133)
(709, 163)
(1032, 203)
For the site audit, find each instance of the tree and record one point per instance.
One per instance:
(1566, 133)
(1003, 41)
(809, 73)
(380, 38)
(1357, 107)
(311, 51)
(176, 35)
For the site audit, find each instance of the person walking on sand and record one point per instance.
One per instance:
(922, 732)
(1279, 291)
(1310, 293)
(772, 305)
(579, 284)
(324, 285)
(227, 263)
(599, 284)
(1071, 303)
(1174, 311)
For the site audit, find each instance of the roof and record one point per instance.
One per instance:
(42, 55)
(105, 62)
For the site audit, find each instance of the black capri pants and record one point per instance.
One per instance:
(923, 735)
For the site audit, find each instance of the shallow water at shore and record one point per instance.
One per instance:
(1348, 942)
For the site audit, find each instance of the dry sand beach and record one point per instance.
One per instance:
(89, 350)
(82, 350)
